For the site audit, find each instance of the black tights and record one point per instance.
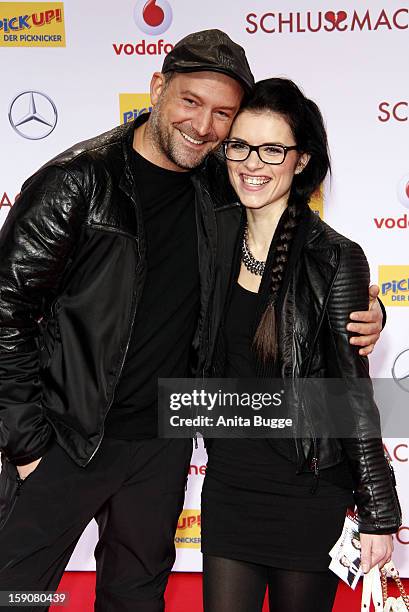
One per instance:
(238, 586)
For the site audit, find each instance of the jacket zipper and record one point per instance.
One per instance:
(315, 468)
(206, 322)
(136, 297)
(315, 459)
(16, 495)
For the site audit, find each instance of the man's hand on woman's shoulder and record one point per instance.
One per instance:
(367, 323)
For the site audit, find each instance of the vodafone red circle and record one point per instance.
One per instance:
(153, 16)
(403, 191)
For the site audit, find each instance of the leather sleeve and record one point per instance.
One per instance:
(36, 240)
(375, 494)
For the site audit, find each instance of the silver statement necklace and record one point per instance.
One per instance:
(252, 264)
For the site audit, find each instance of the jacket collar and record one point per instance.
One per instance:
(316, 231)
(214, 177)
(127, 180)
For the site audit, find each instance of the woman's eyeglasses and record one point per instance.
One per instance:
(269, 153)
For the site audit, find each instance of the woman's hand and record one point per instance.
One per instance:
(375, 549)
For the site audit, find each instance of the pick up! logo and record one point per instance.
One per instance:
(153, 16)
(188, 529)
(317, 202)
(32, 24)
(131, 105)
(394, 284)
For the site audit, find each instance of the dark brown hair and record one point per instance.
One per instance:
(282, 96)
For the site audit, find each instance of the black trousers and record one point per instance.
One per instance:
(134, 490)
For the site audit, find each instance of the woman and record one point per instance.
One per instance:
(272, 509)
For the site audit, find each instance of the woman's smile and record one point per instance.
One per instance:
(256, 183)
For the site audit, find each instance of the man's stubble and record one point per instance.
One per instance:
(166, 141)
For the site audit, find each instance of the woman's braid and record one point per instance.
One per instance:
(265, 338)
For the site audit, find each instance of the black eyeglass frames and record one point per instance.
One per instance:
(269, 152)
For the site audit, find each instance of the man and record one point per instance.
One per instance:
(353, 568)
(105, 276)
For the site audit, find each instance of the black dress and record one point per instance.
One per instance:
(255, 507)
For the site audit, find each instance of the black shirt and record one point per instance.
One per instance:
(166, 317)
(240, 363)
(263, 463)
(239, 333)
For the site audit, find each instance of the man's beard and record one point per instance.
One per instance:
(165, 139)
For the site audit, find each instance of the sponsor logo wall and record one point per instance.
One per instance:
(188, 529)
(132, 105)
(394, 283)
(33, 115)
(301, 21)
(70, 77)
(32, 24)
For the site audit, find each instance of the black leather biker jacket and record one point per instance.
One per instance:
(329, 280)
(72, 270)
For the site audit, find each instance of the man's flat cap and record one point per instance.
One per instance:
(210, 50)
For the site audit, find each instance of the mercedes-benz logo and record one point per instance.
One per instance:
(33, 115)
(400, 370)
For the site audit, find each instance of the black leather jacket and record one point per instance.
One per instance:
(72, 270)
(328, 281)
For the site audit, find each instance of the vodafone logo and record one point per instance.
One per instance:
(403, 191)
(153, 16)
(401, 222)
